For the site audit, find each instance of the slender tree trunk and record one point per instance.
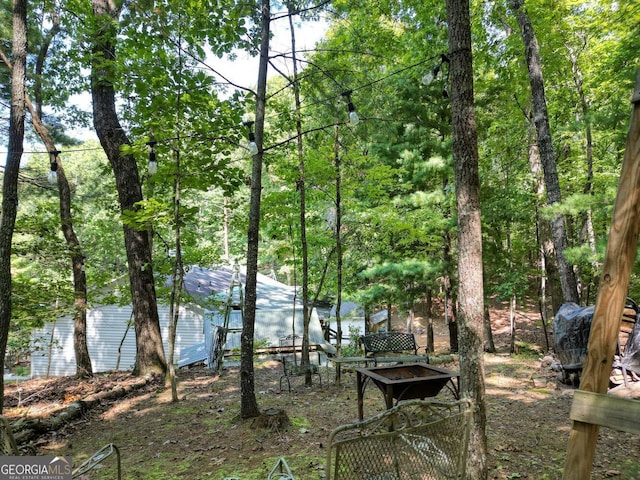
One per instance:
(512, 325)
(177, 279)
(150, 357)
(429, 317)
(83, 360)
(41, 59)
(587, 227)
(225, 228)
(306, 311)
(248, 402)
(490, 346)
(338, 173)
(449, 296)
(471, 295)
(548, 264)
(547, 154)
(10, 180)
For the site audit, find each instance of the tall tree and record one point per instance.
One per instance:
(301, 187)
(248, 403)
(471, 296)
(150, 357)
(546, 150)
(10, 181)
(81, 349)
(83, 360)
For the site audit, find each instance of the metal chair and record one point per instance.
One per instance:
(93, 461)
(280, 471)
(289, 346)
(416, 439)
(9, 447)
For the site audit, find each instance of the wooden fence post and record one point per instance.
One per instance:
(612, 293)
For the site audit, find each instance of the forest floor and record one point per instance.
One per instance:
(202, 437)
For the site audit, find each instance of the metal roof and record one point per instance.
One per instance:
(216, 285)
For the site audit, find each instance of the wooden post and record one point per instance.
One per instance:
(614, 284)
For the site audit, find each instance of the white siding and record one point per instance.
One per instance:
(270, 326)
(106, 331)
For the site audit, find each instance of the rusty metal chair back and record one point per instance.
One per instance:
(8, 445)
(415, 440)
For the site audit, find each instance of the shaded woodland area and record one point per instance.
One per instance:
(420, 152)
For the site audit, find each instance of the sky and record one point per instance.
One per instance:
(243, 69)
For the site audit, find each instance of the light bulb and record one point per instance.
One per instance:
(427, 79)
(253, 148)
(354, 118)
(152, 166)
(431, 75)
(53, 177)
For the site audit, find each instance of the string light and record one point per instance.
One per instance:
(153, 163)
(443, 57)
(353, 115)
(253, 146)
(431, 75)
(53, 172)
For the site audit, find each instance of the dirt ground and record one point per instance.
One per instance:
(202, 437)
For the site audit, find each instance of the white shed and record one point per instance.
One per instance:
(110, 339)
(111, 334)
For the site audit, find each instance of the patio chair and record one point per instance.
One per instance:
(289, 349)
(415, 440)
(95, 459)
(280, 471)
(8, 445)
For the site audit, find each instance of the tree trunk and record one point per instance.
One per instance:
(248, 403)
(338, 172)
(548, 264)
(449, 300)
(547, 154)
(489, 345)
(83, 360)
(471, 296)
(306, 313)
(177, 278)
(512, 325)
(80, 347)
(150, 357)
(588, 230)
(429, 320)
(10, 181)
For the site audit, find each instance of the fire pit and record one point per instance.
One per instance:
(405, 382)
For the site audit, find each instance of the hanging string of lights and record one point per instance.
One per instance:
(346, 95)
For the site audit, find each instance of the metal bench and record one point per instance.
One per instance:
(392, 347)
(415, 439)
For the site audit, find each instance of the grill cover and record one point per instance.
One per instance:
(571, 327)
